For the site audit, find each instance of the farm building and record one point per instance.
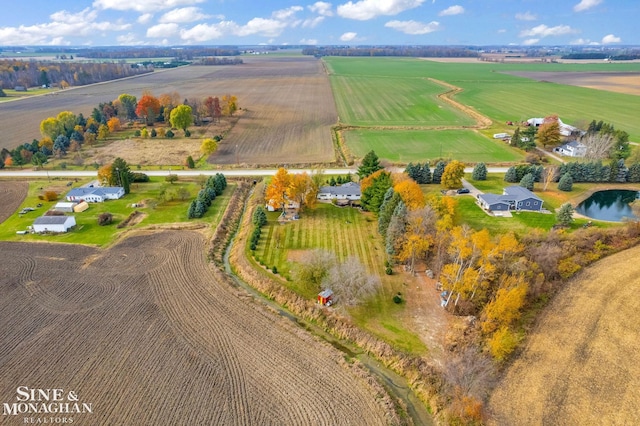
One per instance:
(513, 198)
(53, 224)
(95, 194)
(565, 129)
(80, 207)
(288, 205)
(325, 297)
(66, 207)
(572, 149)
(348, 191)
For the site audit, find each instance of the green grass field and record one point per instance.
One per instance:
(345, 232)
(406, 146)
(87, 230)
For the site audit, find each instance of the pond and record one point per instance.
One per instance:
(611, 205)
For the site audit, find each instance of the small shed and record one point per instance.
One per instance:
(325, 297)
(80, 207)
(53, 224)
(64, 207)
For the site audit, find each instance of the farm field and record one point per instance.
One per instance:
(345, 232)
(148, 334)
(406, 146)
(288, 108)
(580, 364)
(12, 194)
(492, 91)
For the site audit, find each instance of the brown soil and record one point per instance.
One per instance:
(146, 333)
(581, 364)
(12, 194)
(481, 120)
(620, 82)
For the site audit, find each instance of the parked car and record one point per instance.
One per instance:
(463, 191)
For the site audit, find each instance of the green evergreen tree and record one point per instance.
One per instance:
(527, 181)
(634, 173)
(370, 164)
(386, 211)
(511, 175)
(259, 217)
(438, 170)
(479, 172)
(373, 195)
(121, 174)
(190, 163)
(425, 173)
(397, 229)
(565, 183)
(564, 216)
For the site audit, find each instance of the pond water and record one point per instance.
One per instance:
(611, 205)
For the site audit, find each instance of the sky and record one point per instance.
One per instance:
(295, 22)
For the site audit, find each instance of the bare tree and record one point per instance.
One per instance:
(598, 145)
(314, 265)
(550, 174)
(350, 282)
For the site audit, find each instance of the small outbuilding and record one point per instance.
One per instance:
(56, 224)
(325, 297)
(80, 207)
(66, 207)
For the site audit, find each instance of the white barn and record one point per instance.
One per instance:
(53, 224)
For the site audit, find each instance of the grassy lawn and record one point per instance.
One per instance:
(406, 146)
(87, 230)
(345, 232)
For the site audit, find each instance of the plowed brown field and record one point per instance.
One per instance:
(12, 194)
(581, 366)
(145, 333)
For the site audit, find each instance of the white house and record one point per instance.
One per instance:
(565, 129)
(95, 194)
(348, 191)
(53, 224)
(572, 149)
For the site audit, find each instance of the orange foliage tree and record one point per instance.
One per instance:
(411, 194)
(276, 191)
(148, 108)
(105, 174)
(113, 124)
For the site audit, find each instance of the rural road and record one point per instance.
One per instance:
(28, 173)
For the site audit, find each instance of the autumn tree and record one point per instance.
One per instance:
(549, 131)
(49, 128)
(103, 131)
(411, 193)
(208, 146)
(181, 117)
(549, 175)
(370, 164)
(66, 122)
(419, 236)
(229, 104)
(276, 191)
(505, 307)
(313, 267)
(453, 174)
(113, 124)
(168, 101)
(299, 186)
(105, 174)
(128, 105)
(148, 108)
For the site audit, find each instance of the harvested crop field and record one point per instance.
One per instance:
(12, 194)
(288, 103)
(581, 365)
(147, 334)
(620, 82)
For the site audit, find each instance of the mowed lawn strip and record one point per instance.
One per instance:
(345, 232)
(421, 145)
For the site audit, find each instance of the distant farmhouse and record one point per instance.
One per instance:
(56, 224)
(565, 129)
(95, 194)
(572, 149)
(513, 198)
(349, 191)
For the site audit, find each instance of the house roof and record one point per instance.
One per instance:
(519, 193)
(102, 191)
(325, 293)
(349, 188)
(492, 199)
(51, 220)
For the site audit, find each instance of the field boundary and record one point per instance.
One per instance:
(482, 121)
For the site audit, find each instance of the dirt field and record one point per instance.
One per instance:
(12, 194)
(621, 82)
(145, 333)
(288, 103)
(581, 365)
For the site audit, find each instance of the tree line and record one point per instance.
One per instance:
(410, 51)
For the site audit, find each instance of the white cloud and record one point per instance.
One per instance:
(285, 14)
(206, 32)
(312, 22)
(63, 24)
(585, 5)
(321, 8)
(348, 36)
(263, 27)
(183, 15)
(163, 30)
(145, 18)
(129, 39)
(610, 38)
(452, 10)
(544, 31)
(309, 41)
(502, 31)
(143, 6)
(531, 41)
(526, 16)
(368, 9)
(413, 27)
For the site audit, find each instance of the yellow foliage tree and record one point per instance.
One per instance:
(50, 128)
(47, 142)
(103, 131)
(208, 146)
(276, 191)
(505, 307)
(502, 343)
(411, 194)
(452, 175)
(299, 187)
(113, 124)
(105, 174)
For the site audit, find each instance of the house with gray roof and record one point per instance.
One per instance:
(513, 197)
(95, 194)
(347, 191)
(53, 224)
(572, 149)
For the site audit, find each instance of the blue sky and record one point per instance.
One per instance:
(292, 22)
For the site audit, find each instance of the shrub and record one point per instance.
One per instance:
(565, 183)
(50, 196)
(105, 219)
(169, 134)
(187, 133)
(137, 133)
(388, 270)
(502, 343)
(397, 299)
(274, 269)
(190, 163)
